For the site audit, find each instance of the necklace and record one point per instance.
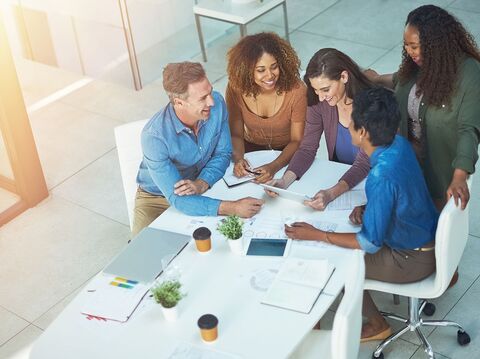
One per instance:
(267, 140)
(274, 107)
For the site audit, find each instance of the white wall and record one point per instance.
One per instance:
(87, 36)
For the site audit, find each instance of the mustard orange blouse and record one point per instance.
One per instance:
(273, 131)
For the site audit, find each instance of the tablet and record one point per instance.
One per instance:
(293, 196)
(268, 247)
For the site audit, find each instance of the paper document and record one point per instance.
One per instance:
(298, 284)
(324, 225)
(262, 226)
(256, 159)
(186, 350)
(113, 297)
(348, 200)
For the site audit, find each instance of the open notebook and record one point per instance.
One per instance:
(256, 159)
(298, 284)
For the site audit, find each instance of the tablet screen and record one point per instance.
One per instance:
(267, 247)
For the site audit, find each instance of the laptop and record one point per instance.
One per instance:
(141, 259)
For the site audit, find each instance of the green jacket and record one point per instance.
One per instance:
(452, 131)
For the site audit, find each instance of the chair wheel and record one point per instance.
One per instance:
(463, 338)
(429, 309)
(379, 357)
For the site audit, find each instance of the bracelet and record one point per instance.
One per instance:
(327, 239)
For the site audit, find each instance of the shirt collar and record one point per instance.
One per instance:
(379, 150)
(374, 157)
(177, 124)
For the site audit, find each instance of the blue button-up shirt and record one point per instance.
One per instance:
(172, 152)
(400, 212)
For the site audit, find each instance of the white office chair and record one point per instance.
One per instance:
(235, 13)
(129, 148)
(343, 341)
(450, 240)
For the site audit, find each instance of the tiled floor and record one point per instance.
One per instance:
(50, 251)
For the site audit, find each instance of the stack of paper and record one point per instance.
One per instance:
(348, 200)
(298, 284)
(112, 297)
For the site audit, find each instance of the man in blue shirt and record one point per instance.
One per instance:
(400, 219)
(186, 149)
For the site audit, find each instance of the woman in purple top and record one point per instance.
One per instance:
(332, 79)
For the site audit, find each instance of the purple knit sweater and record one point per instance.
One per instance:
(324, 118)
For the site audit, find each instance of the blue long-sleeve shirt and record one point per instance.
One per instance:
(172, 152)
(400, 212)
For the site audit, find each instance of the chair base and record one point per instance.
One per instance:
(414, 323)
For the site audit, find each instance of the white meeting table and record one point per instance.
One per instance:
(220, 283)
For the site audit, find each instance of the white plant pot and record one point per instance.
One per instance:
(170, 314)
(236, 245)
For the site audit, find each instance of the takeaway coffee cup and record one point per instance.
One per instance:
(208, 324)
(203, 241)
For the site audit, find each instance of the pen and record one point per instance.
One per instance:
(247, 168)
(252, 172)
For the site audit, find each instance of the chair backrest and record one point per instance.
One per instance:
(129, 148)
(347, 324)
(450, 241)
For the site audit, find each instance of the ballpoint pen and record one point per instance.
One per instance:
(252, 172)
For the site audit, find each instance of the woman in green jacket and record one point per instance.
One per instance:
(438, 89)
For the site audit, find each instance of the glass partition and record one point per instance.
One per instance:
(22, 184)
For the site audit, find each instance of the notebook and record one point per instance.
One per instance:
(298, 284)
(256, 159)
(141, 259)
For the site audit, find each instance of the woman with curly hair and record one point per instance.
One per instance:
(437, 87)
(266, 101)
(332, 79)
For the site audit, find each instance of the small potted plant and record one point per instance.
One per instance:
(168, 294)
(231, 228)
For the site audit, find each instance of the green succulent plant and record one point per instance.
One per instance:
(231, 227)
(167, 293)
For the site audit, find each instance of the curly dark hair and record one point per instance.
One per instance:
(331, 63)
(243, 57)
(444, 43)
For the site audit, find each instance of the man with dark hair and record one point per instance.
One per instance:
(400, 219)
(186, 149)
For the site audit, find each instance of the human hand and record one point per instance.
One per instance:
(372, 75)
(302, 230)
(276, 182)
(458, 188)
(241, 167)
(356, 217)
(265, 173)
(189, 187)
(320, 201)
(247, 207)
